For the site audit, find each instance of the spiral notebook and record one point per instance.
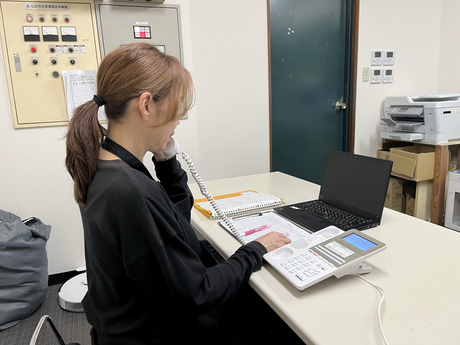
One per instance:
(239, 204)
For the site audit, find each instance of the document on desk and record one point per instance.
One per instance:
(269, 221)
(80, 86)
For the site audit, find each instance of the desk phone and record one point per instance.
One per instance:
(325, 253)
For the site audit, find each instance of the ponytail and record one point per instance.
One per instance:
(124, 74)
(84, 140)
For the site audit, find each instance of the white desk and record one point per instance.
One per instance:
(419, 271)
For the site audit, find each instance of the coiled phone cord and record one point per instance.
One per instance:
(208, 196)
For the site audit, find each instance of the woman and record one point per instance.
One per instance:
(147, 282)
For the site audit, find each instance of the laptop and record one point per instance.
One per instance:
(352, 195)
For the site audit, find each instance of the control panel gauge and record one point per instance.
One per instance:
(50, 33)
(69, 33)
(31, 33)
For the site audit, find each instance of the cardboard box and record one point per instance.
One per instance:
(383, 154)
(396, 204)
(414, 163)
(395, 188)
(395, 197)
(410, 200)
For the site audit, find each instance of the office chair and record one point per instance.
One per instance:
(53, 328)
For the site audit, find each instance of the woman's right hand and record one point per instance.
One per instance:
(273, 240)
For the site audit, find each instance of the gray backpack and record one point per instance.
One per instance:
(23, 267)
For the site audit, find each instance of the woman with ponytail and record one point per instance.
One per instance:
(147, 280)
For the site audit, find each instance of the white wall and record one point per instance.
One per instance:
(230, 61)
(412, 28)
(449, 50)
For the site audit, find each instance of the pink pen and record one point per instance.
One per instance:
(260, 228)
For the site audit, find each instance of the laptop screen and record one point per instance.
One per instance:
(356, 183)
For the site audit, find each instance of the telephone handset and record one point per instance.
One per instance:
(173, 148)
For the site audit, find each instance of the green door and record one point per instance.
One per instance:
(309, 45)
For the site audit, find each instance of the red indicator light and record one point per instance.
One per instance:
(33, 49)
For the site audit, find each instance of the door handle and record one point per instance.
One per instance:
(340, 106)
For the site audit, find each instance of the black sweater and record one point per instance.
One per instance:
(146, 280)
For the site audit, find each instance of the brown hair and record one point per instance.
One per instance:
(123, 75)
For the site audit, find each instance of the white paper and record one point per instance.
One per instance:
(80, 86)
(275, 222)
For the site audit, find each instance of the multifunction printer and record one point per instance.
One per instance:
(430, 118)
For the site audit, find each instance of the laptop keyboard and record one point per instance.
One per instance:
(339, 218)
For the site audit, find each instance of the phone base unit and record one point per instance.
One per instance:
(328, 252)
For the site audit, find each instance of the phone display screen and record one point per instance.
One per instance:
(359, 242)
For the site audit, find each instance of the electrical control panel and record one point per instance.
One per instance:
(40, 40)
(121, 23)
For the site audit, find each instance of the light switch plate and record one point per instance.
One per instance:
(366, 72)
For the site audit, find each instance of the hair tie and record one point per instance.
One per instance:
(99, 101)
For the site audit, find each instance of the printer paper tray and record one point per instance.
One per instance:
(402, 136)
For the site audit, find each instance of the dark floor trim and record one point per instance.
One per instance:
(61, 278)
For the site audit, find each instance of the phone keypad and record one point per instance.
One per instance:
(306, 265)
